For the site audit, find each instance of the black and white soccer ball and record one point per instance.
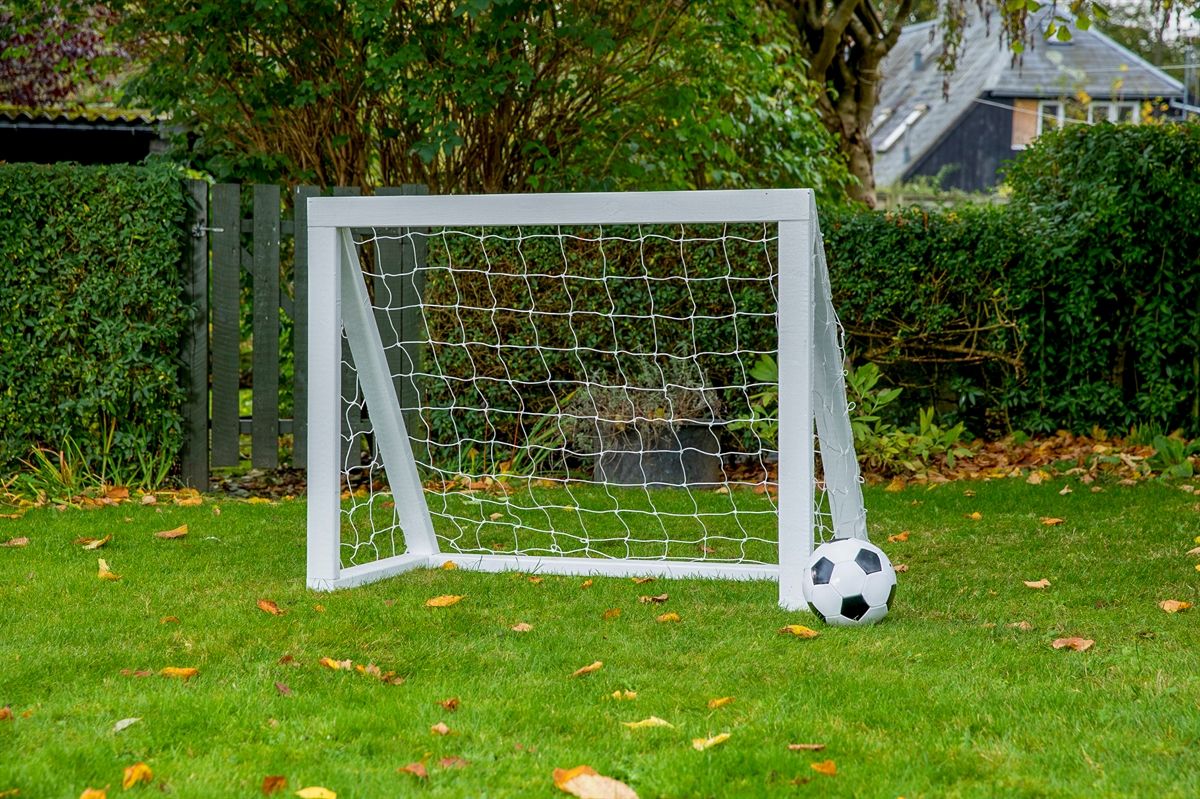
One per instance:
(849, 581)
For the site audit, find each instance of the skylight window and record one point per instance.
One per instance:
(902, 128)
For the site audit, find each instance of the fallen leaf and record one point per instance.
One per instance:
(901, 536)
(417, 769)
(535, 580)
(125, 724)
(653, 721)
(6, 713)
(1065, 490)
(149, 499)
(137, 673)
(713, 704)
(258, 501)
(316, 792)
(619, 695)
(16, 542)
(612, 613)
(976, 516)
(117, 493)
(94, 793)
(283, 689)
(799, 630)
(668, 617)
(642, 580)
(586, 584)
(453, 762)
(336, 665)
(1078, 644)
(273, 783)
(94, 543)
(826, 767)
(583, 782)
(182, 673)
(900, 568)
(1023, 626)
(178, 532)
(169, 620)
(440, 729)
(444, 601)
(1195, 551)
(138, 773)
(1051, 521)
(267, 606)
(1174, 605)
(653, 600)
(700, 744)
(897, 484)
(104, 573)
(522, 627)
(806, 747)
(287, 660)
(449, 566)
(1036, 478)
(450, 704)
(189, 502)
(1042, 583)
(599, 664)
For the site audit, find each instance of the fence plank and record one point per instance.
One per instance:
(195, 345)
(300, 328)
(264, 452)
(226, 273)
(351, 417)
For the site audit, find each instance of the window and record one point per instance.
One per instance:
(890, 141)
(1115, 112)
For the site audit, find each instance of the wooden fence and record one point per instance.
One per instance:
(262, 257)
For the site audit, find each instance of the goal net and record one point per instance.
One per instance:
(597, 384)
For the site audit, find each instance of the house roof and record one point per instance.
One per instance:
(77, 117)
(913, 116)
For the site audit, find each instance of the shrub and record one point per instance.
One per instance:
(91, 312)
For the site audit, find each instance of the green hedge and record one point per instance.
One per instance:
(91, 311)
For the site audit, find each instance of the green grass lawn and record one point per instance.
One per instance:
(942, 699)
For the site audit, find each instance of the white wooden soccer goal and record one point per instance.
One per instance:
(547, 315)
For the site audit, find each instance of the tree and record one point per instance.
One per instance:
(482, 95)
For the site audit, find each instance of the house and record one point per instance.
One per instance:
(995, 107)
(85, 135)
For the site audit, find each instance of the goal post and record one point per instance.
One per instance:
(569, 340)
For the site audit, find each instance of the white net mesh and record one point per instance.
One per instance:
(588, 391)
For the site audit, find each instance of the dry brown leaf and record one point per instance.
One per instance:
(169, 620)
(336, 665)
(450, 704)
(283, 689)
(1023, 626)
(1077, 644)
(806, 747)
(117, 493)
(1065, 490)
(267, 606)
(826, 767)
(722, 701)
(316, 792)
(599, 664)
(149, 499)
(440, 729)
(1194, 551)
(535, 580)
(16, 542)
(668, 617)
(6, 713)
(288, 660)
(612, 613)
(444, 601)
(624, 695)
(137, 673)
(176, 532)
(94, 543)
(900, 568)
(653, 600)
(1174, 605)
(1051, 521)
(642, 580)
(417, 769)
(700, 744)
(976, 516)
(105, 573)
(189, 502)
(799, 630)
(653, 721)
(586, 584)
(897, 484)
(453, 762)
(138, 773)
(94, 793)
(273, 783)
(583, 782)
(184, 673)
(1042, 583)
(898, 537)
(522, 627)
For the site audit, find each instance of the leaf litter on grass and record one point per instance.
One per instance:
(584, 782)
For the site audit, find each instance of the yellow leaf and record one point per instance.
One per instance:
(826, 767)
(336, 665)
(653, 600)
(1051, 521)
(1077, 644)
(316, 792)
(902, 536)
(1042, 583)
(599, 664)
(94, 793)
(440, 729)
(259, 501)
(1023, 626)
(564, 775)
(806, 747)
(586, 584)
(976, 516)
(799, 630)
(583, 782)
(619, 695)
(612, 613)
(182, 672)
(177, 532)
(535, 580)
(449, 565)
(642, 580)
(189, 502)
(900, 568)
(444, 601)
(96, 543)
(267, 606)
(700, 744)
(653, 721)
(897, 484)
(523, 627)
(1174, 605)
(668, 617)
(104, 572)
(722, 701)
(137, 773)
(272, 783)
(319, 608)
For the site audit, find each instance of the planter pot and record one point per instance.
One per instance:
(680, 455)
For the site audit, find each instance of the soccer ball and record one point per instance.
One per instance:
(849, 581)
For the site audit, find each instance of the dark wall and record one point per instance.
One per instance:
(973, 149)
(83, 145)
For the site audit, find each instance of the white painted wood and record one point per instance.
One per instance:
(379, 391)
(795, 317)
(605, 567)
(485, 210)
(838, 461)
(324, 402)
(371, 572)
